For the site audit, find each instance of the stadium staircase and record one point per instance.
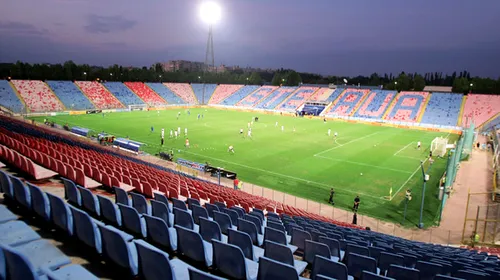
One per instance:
(462, 106)
(123, 93)
(70, 95)
(407, 106)
(275, 98)
(146, 94)
(38, 96)
(297, 98)
(99, 95)
(165, 93)
(489, 124)
(239, 95)
(222, 92)
(424, 107)
(480, 108)
(10, 98)
(375, 104)
(442, 109)
(184, 91)
(255, 97)
(203, 92)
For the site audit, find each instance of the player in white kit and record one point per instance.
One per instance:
(231, 149)
(282, 128)
(335, 134)
(418, 145)
(185, 131)
(329, 132)
(276, 124)
(171, 133)
(175, 134)
(249, 133)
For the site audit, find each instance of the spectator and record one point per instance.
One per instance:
(235, 183)
(355, 219)
(356, 204)
(332, 192)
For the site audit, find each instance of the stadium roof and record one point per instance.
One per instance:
(437, 89)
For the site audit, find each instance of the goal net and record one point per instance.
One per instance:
(438, 146)
(138, 107)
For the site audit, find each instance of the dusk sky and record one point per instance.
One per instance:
(356, 37)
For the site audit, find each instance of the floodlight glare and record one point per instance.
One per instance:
(210, 12)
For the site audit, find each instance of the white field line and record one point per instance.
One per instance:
(341, 145)
(400, 150)
(366, 164)
(406, 182)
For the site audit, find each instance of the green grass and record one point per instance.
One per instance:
(305, 163)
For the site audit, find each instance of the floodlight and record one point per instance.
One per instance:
(345, 81)
(210, 12)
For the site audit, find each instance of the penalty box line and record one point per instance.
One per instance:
(408, 180)
(341, 145)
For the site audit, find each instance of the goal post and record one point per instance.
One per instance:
(438, 146)
(138, 107)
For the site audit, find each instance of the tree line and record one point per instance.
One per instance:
(462, 82)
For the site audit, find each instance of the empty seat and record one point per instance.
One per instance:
(446, 277)
(211, 208)
(366, 275)
(40, 202)
(299, 237)
(21, 192)
(210, 230)
(283, 254)
(360, 250)
(473, 275)
(72, 193)
(177, 203)
(357, 263)
(256, 219)
(162, 198)
(191, 245)
(86, 229)
(121, 196)
(60, 214)
(198, 212)
(184, 219)
(244, 242)
(313, 249)
(140, 204)
(109, 211)
(160, 210)
(155, 264)
(386, 259)
(230, 261)
(6, 215)
(233, 214)
(15, 233)
(132, 221)
(160, 234)
(428, 270)
(272, 270)
(118, 247)
(334, 246)
(195, 274)
(90, 202)
(375, 252)
(191, 202)
(278, 236)
(250, 228)
(224, 221)
(329, 268)
(403, 273)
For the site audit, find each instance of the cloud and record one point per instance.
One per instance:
(107, 24)
(21, 28)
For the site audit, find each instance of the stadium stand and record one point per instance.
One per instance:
(491, 123)
(407, 106)
(222, 92)
(334, 95)
(480, 108)
(297, 99)
(146, 94)
(375, 104)
(8, 97)
(70, 95)
(165, 93)
(184, 91)
(347, 102)
(443, 109)
(321, 95)
(275, 98)
(38, 96)
(123, 93)
(239, 95)
(203, 92)
(252, 99)
(99, 95)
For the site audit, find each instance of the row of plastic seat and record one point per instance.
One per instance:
(184, 91)
(70, 95)
(37, 96)
(275, 98)
(443, 109)
(123, 93)
(239, 95)
(255, 97)
(146, 94)
(9, 98)
(222, 92)
(375, 104)
(347, 102)
(99, 95)
(297, 99)
(203, 92)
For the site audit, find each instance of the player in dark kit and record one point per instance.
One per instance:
(332, 192)
(356, 204)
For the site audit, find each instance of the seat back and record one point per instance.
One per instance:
(158, 232)
(40, 202)
(313, 249)
(132, 220)
(333, 244)
(375, 252)
(21, 192)
(256, 220)
(357, 263)
(250, 228)
(60, 214)
(276, 226)
(121, 196)
(329, 268)
(160, 210)
(86, 229)
(315, 235)
(209, 229)
(161, 197)
(239, 210)
(89, 202)
(72, 193)
(17, 265)
(400, 272)
(190, 244)
(223, 220)
(116, 248)
(219, 204)
(272, 270)
(191, 202)
(153, 263)
(109, 211)
(195, 274)
(233, 215)
(278, 252)
(139, 203)
(360, 250)
(211, 208)
(229, 260)
(299, 238)
(243, 241)
(198, 212)
(386, 259)
(428, 270)
(275, 235)
(6, 185)
(177, 203)
(366, 275)
(183, 218)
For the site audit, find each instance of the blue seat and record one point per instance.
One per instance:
(241, 212)
(375, 252)
(409, 260)
(86, 229)
(90, 202)
(198, 212)
(60, 214)
(177, 203)
(277, 236)
(71, 192)
(155, 264)
(191, 245)
(250, 228)
(233, 214)
(118, 247)
(162, 198)
(283, 254)
(7, 188)
(184, 219)
(70, 272)
(357, 263)
(428, 270)
(40, 202)
(334, 246)
(256, 220)
(230, 261)
(219, 204)
(211, 208)
(299, 238)
(351, 248)
(259, 212)
(159, 234)
(210, 230)
(121, 196)
(39, 253)
(160, 209)
(132, 221)
(315, 235)
(313, 249)
(471, 275)
(109, 211)
(403, 273)
(140, 203)
(275, 225)
(329, 268)
(272, 270)
(366, 275)
(274, 215)
(21, 192)
(446, 277)
(195, 274)
(386, 259)
(223, 220)
(191, 202)
(14, 233)
(244, 242)
(6, 215)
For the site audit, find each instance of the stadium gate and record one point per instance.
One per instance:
(482, 218)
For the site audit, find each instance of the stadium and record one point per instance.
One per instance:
(205, 180)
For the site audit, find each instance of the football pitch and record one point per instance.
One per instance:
(301, 160)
